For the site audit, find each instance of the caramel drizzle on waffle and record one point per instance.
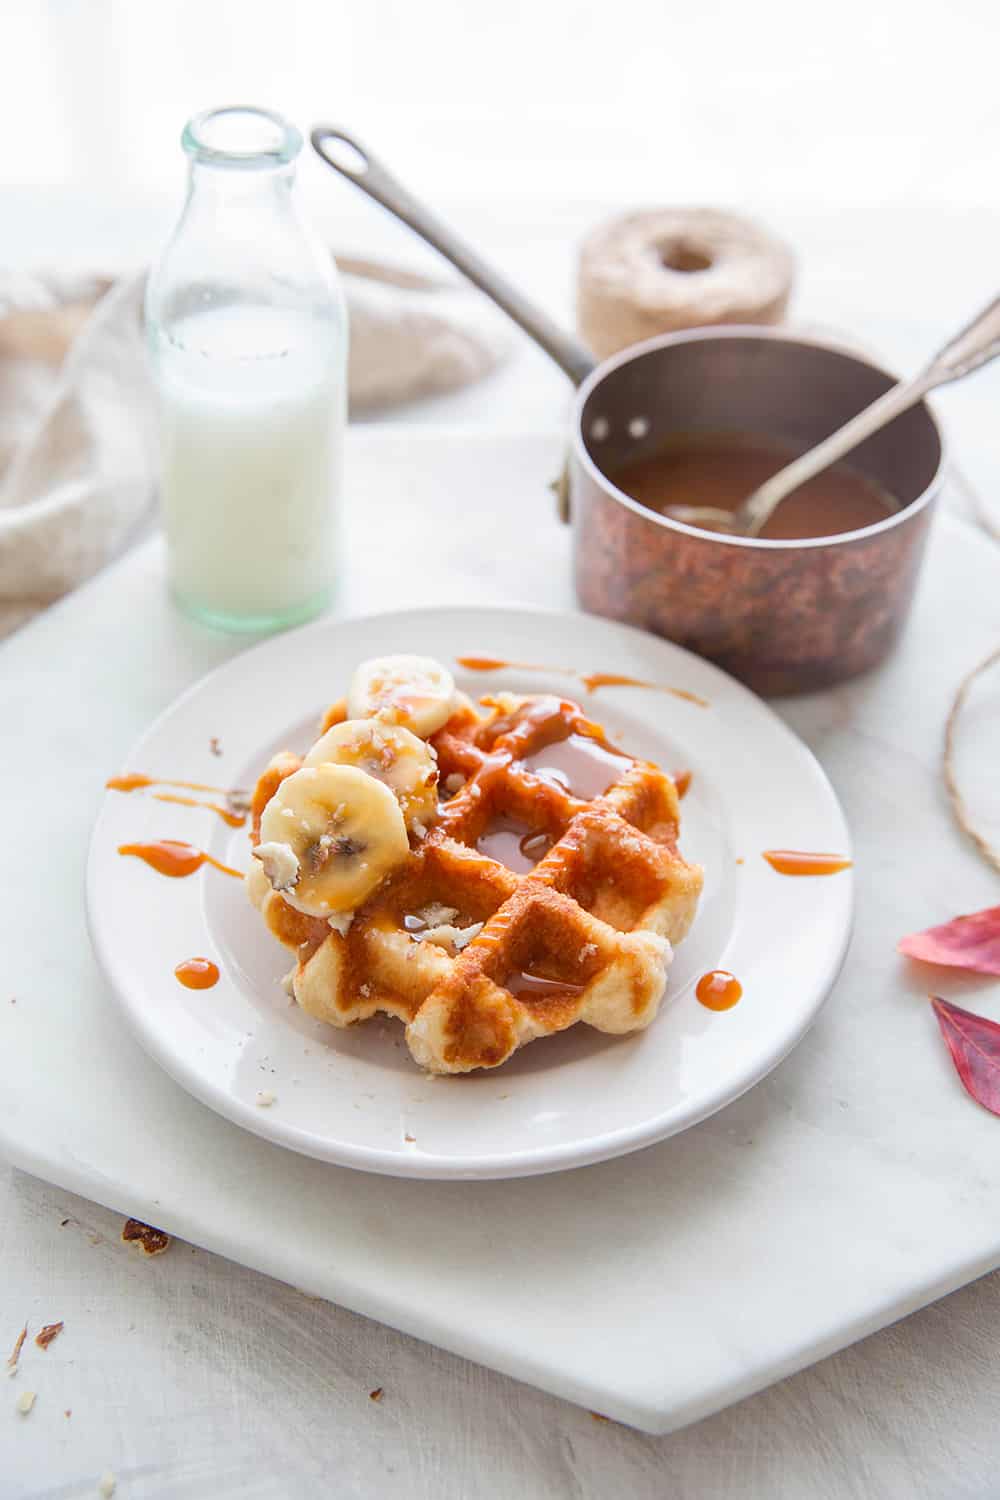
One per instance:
(613, 858)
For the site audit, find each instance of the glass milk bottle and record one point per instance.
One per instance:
(248, 335)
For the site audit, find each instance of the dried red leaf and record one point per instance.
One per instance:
(974, 1044)
(970, 942)
(44, 1336)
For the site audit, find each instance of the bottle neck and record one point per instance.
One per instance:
(220, 189)
(240, 241)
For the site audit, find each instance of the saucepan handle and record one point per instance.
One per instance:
(346, 155)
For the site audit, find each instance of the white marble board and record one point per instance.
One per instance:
(855, 1184)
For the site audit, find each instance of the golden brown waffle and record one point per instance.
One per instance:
(478, 957)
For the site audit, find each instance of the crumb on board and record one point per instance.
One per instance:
(214, 745)
(599, 1417)
(15, 1353)
(107, 1484)
(411, 1138)
(376, 1394)
(25, 1402)
(44, 1336)
(265, 1099)
(68, 1412)
(149, 1240)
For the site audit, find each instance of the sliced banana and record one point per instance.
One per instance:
(391, 754)
(343, 829)
(415, 691)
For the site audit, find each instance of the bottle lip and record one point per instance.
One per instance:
(242, 136)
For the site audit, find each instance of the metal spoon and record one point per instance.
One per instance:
(976, 345)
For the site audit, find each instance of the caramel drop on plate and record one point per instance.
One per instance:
(801, 862)
(682, 780)
(718, 990)
(197, 973)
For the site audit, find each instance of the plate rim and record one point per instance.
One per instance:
(537, 1161)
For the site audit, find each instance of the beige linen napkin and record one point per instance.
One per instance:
(77, 422)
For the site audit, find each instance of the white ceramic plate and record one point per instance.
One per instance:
(355, 1097)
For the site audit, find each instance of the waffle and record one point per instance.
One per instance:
(473, 944)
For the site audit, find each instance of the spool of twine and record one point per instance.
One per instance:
(958, 807)
(662, 269)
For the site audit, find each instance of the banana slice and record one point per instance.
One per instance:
(328, 836)
(391, 754)
(415, 691)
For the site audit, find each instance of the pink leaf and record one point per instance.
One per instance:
(974, 1044)
(971, 942)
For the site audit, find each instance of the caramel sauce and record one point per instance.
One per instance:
(594, 680)
(171, 857)
(535, 846)
(197, 973)
(542, 993)
(800, 862)
(718, 990)
(135, 780)
(591, 680)
(128, 783)
(578, 764)
(682, 781)
(722, 469)
(523, 983)
(513, 844)
(234, 820)
(485, 663)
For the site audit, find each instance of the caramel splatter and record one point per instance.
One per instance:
(151, 1241)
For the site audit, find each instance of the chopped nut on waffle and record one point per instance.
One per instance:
(548, 889)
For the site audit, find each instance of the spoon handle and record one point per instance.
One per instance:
(976, 345)
(899, 398)
(345, 154)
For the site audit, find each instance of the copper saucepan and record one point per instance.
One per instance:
(785, 616)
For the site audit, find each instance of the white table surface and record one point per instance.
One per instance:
(831, 1094)
(190, 1376)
